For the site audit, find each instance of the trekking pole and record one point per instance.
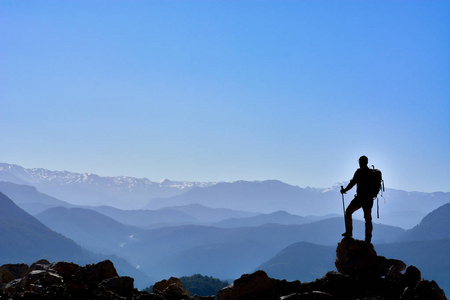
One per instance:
(343, 204)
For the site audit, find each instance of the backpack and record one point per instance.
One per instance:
(376, 182)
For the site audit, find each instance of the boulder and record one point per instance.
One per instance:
(122, 286)
(65, 269)
(43, 278)
(250, 286)
(359, 259)
(308, 296)
(160, 286)
(14, 286)
(96, 273)
(9, 272)
(411, 277)
(41, 264)
(171, 289)
(428, 290)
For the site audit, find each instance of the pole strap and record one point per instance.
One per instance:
(378, 209)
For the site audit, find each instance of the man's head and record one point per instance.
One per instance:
(363, 161)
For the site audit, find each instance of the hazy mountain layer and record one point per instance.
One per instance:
(301, 261)
(397, 208)
(278, 217)
(177, 251)
(89, 228)
(29, 199)
(90, 189)
(434, 226)
(25, 239)
(170, 216)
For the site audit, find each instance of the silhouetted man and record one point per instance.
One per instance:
(363, 199)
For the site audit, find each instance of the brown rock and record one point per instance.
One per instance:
(250, 286)
(10, 272)
(283, 287)
(43, 278)
(65, 269)
(41, 264)
(171, 289)
(150, 297)
(96, 273)
(16, 285)
(337, 284)
(359, 258)
(411, 277)
(308, 296)
(429, 290)
(160, 286)
(196, 297)
(355, 257)
(225, 293)
(122, 286)
(383, 265)
(175, 292)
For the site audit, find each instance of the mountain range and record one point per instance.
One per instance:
(397, 208)
(216, 229)
(25, 239)
(91, 189)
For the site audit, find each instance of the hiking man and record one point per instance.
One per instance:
(363, 179)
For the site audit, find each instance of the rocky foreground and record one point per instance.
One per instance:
(362, 274)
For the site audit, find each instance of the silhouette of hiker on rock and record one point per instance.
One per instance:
(368, 184)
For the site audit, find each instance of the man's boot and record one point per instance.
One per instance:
(347, 235)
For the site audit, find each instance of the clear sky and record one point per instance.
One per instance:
(228, 90)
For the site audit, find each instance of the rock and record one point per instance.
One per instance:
(384, 265)
(334, 283)
(355, 257)
(308, 296)
(150, 297)
(41, 264)
(15, 285)
(358, 278)
(428, 290)
(411, 277)
(43, 278)
(122, 286)
(171, 289)
(65, 269)
(96, 273)
(196, 297)
(9, 272)
(250, 286)
(283, 287)
(63, 280)
(359, 258)
(160, 286)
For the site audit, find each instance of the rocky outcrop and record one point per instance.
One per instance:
(362, 274)
(63, 280)
(258, 286)
(357, 258)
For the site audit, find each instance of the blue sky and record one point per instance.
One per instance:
(228, 90)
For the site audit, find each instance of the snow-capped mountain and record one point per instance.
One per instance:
(91, 189)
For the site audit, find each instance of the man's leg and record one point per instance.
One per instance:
(351, 208)
(368, 218)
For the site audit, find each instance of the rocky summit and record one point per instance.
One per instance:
(362, 274)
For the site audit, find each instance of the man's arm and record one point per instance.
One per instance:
(350, 184)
